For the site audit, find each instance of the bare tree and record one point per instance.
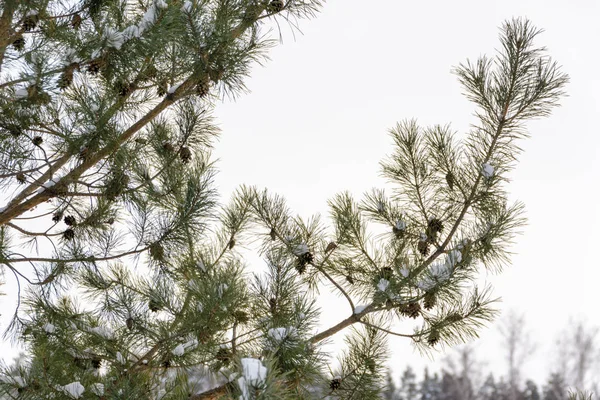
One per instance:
(519, 347)
(578, 352)
(465, 369)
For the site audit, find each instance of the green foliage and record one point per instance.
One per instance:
(580, 396)
(139, 283)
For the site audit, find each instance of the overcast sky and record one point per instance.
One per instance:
(316, 122)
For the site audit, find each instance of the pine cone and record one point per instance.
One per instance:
(411, 310)
(15, 131)
(21, 178)
(450, 180)
(435, 225)
(399, 233)
(96, 65)
(303, 260)
(241, 316)
(185, 154)
(129, 322)
(30, 22)
(76, 21)
(123, 88)
(157, 252)
(37, 141)
(429, 300)
(96, 363)
(273, 234)
(69, 234)
(335, 384)
(330, 247)
(203, 87)
(154, 305)
(231, 243)
(454, 317)
(423, 248)
(57, 216)
(70, 220)
(223, 355)
(434, 338)
(168, 147)
(19, 43)
(65, 79)
(275, 6)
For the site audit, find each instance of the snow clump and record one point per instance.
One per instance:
(74, 389)
(301, 249)
(359, 309)
(383, 285)
(49, 328)
(187, 6)
(98, 389)
(279, 334)
(487, 170)
(103, 331)
(254, 373)
(22, 93)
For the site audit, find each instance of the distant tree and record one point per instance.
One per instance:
(464, 369)
(430, 387)
(489, 390)
(390, 390)
(408, 385)
(504, 390)
(449, 389)
(531, 391)
(579, 352)
(555, 388)
(518, 348)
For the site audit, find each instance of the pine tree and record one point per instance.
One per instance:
(106, 134)
(430, 387)
(464, 368)
(555, 388)
(390, 390)
(531, 391)
(504, 390)
(408, 385)
(518, 348)
(448, 387)
(489, 389)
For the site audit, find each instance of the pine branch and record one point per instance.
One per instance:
(6, 34)
(17, 206)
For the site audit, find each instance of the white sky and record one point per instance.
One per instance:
(317, 121)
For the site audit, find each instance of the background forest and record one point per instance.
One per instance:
(465, 373)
